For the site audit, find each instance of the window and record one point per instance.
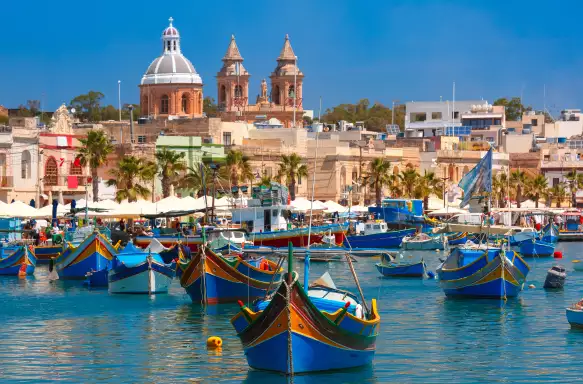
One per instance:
(227, 138)
(185, 108)
(418, 116)
(291, 93)
(51, 172)
(25, 167)
(436, 115)
(456, 115)
(534, 122)
(238, 91)
(555, 181)
(164, 104)
(141, 139)
(168, 45)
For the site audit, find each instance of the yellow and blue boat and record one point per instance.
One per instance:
(212, 278)
(488, 273)
(17, 261)
(93, 254)
(296, 333)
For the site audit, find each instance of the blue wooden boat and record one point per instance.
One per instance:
(493, 273)
(575, 315)
(212, 278)
(519, 237)
(293, 334)
(93, 254)
(134, 270)
(44, 253)
(423, 242)
(530, 248)
(391, 239)
(458, 238)
(17, 260)
(550, 234)
(391, 268)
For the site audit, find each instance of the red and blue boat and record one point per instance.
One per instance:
(17, 261)
(212, 278)
(484, 273)
(93, 254)
(298, 333)
(376, 235)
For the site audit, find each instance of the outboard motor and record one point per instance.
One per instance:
(556, 277)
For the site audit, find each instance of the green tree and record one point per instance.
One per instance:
(130, 177)
(518, 179)
(88, 106)
(427, 185)
(237, 169)
(513, 107)
(109, 112)
(291, 168)
(537, 188)
(378, 176)
(265, 181)
(575, 182)
(93, 153)
(209, 107)
(375, 117)
(198, 178)
(307, 120)
(136, 112)
(170, 165)
(4, 119)
(408, 180)
(558, 193)
(500, 188)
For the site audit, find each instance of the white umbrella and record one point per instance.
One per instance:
(332, 206)
(448, 211)
(358, 208)
(20, 209)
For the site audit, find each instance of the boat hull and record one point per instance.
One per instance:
(212, 279)
(457, 239)
(486, 276)
(408, 270)
(93, 254)
(536, 248)
(144, 278)
(44, 253)
(298, 236)
(575, 317)
(307, 339)
(390, 239)
(20, 262)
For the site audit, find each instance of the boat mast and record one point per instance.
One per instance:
(307, 257)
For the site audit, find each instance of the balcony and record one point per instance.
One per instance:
(66, 183)
(6, 182)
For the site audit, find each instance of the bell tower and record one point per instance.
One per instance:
(286, 83)
(232, 81)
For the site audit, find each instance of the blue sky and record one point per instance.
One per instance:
(348, 50)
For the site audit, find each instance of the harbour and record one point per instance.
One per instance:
(63, 330)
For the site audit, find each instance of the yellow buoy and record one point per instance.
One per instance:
(214, 342)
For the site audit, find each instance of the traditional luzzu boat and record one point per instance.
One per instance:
(93, 254)
(17, 260)
(532, 248)
(392, 266)
(490, 273)
(212, 278)
(424, 242)
(458, 238)
(134, 270)
(376, 235)
(550, 233)
(299, 331)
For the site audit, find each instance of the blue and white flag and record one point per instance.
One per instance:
(479, 179)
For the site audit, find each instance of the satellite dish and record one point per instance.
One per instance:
(73, 110)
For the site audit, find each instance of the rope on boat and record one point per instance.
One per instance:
(279, 264)
(349, 259)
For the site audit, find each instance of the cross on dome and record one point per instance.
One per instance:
(170, 20)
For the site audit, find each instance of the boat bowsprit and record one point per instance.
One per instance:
(137, 271)
(493, 273)
(292, 335)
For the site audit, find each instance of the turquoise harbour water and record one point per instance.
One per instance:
(61, 331)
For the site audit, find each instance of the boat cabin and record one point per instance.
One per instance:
(372, 227)
(265, 211)
(571, 221)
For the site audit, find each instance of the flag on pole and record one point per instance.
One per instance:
(479, 179)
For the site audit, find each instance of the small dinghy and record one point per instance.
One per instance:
(556, 277)
(575, 315)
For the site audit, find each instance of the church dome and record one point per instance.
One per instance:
(171, 67)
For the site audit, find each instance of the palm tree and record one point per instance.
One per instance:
(291, 168)
(378, 176)
(197, 178)
(170, 165)
(408, 179)
(500, 188)
(537, 188)
(518, 179)
(129, 177)
(265, 181)
(93, 152)
(575, 181)
(425, 186)
(558, 193)
(237, 168)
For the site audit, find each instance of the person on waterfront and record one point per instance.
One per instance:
(122, 225)
(198, 227)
